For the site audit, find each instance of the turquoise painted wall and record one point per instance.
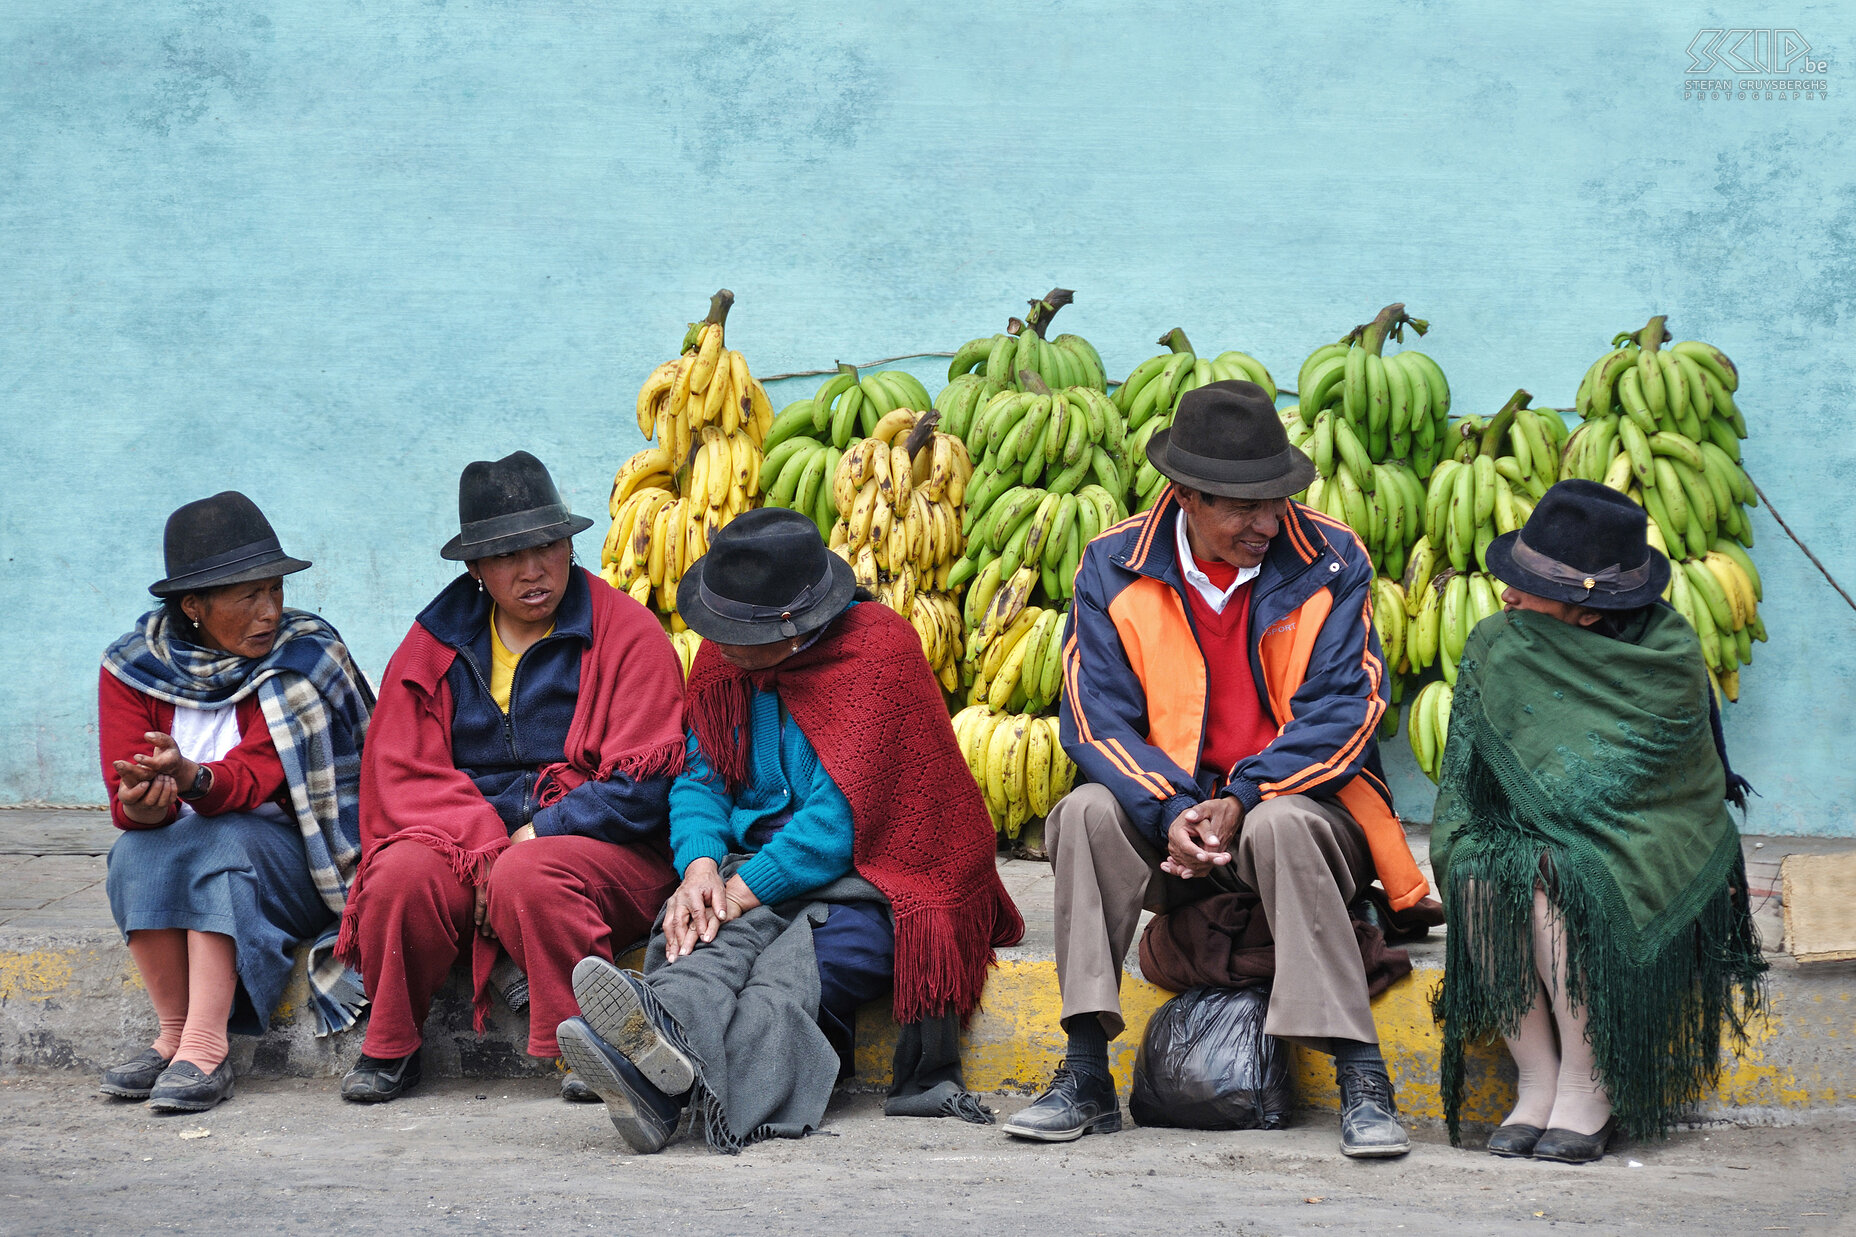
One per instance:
(329, 253)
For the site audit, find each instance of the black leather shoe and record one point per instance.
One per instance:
(1369, 1126)
(1516, 1142)
(1072, 1106)
(133, 1080)
(375, 1081)
(185, 1087)
(643, 1115)
(622, 1010)
(1570, 1147)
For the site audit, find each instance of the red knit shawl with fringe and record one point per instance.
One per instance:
(870, 706)
(628, 720)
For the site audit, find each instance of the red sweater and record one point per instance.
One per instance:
(250, 775)
(1236, 726)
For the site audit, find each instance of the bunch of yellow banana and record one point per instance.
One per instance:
(708, 384)
(1398, 407)
(1429, 726)
(1719, 594)
(1441, 610)
(1497, 472)
(936, 619)
(1687, 388)
(1018, 762)
(686, 643)
(1020, 667)
(900, 491)
(656, 534)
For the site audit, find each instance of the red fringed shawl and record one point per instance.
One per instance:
(867, 701)
(628, 719)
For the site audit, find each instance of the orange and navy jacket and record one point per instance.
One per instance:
(1134, 681)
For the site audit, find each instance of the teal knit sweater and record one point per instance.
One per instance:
(785, 779)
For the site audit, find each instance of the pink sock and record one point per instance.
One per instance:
(212, 982)
(1580, 1102)
(161, 956)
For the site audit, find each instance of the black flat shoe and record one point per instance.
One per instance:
(185, 1087)
(1369, 1124)
(1570, 1147)
(133, 1080)
(643, 1115)
(375, 1081)
(1072, 1106)
(1516, 1142)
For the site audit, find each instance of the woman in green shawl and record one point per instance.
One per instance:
(1591, 874)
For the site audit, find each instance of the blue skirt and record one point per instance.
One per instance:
(239, 874)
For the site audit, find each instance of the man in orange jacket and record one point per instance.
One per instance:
(1222, 688)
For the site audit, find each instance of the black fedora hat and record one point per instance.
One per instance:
(1584, 544)
(508, 505)
(766, 577)
(1227, 439)
(217, 541)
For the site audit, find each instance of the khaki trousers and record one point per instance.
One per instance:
(1305, 858)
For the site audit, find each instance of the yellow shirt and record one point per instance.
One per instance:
(503, 664)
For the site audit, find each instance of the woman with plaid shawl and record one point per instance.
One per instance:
(230, 730)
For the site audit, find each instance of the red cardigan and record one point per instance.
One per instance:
(250, 775)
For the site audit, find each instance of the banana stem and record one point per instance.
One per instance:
(1498, 427)
(1175, 340)
(719, 305)
(1032, 383)
(1654, 334)
(845, 367)
(923, 431)
(1045, 308)
(1373, 334)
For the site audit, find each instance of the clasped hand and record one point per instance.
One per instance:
(700, 906)
(150, 783)
(1200, 837)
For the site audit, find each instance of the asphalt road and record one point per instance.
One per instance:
(287, 1156)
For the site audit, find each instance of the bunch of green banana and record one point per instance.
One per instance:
(848, 405)
(1429, 726)
(796, 471)
(1719, 594)
(1442, 610)
(1065, 361)
(1150, 396)
(1694, 492)
(1382, 503)
(961, 400)
(1029, 530)
(1498, 470)
(1020, 669)
(1053, 439)
(1687, 388)
(1392, 622)
(1017, 761)
(1398, 406)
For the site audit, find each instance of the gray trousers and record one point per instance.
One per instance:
(1305, 858)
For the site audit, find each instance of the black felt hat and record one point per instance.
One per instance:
(508, 505)
(220, 540)
(1227, 439)
(766, 577)
(1585, 544)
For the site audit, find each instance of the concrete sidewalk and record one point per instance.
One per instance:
(71, 1000)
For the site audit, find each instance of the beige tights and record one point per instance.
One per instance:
(1559, 1085)
(191, 979)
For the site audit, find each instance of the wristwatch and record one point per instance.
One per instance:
(202, 784)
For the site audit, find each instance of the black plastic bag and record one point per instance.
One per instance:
(1205, 1064)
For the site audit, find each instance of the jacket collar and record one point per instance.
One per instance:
(460, 614)
(1148, 545)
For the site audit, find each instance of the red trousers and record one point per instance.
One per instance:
(552, 902)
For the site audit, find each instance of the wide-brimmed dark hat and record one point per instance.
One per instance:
(1227, 439)
(508, 505)
(766, 577)
(1585, 544)
(220, 540)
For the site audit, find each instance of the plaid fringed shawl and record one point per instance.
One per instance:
(316, 703)
(1590, 762)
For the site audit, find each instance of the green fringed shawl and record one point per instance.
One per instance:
(1589, 762)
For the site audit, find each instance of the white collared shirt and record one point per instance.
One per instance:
(1213, 596)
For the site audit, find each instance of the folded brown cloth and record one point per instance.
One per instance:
(1224, 941)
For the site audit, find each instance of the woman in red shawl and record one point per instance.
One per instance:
(830, 838)
(515, 785)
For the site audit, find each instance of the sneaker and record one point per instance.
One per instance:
(643, 1115)
(375, 1080)
(622, 1010)
(134, 1079)
(1369, 1126)
(185, 1087)
(1072, 1106)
